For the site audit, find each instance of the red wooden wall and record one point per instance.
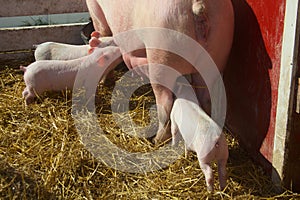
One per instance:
(252, 75)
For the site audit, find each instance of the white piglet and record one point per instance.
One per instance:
(60, 51)
(56, 75)
(202, 135)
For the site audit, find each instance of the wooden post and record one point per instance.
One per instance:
(287, 80)
(298, 97)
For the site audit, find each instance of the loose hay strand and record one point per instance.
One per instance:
(42, 155)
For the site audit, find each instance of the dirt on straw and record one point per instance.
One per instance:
(42, 155)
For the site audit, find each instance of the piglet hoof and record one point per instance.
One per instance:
(210, 188)
(28, 101)
(164, 135)
(222, 187)
(223, 184)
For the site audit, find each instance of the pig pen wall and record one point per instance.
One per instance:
(16, 43)
(254, 73)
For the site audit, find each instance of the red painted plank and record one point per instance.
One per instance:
(252, 75)
(270, 16)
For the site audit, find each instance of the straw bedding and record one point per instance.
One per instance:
(42, 155)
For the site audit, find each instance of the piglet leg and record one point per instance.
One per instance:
(222, 173)
(209, 176)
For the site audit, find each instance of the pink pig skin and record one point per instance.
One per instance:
(209, 22)
(60, 51)
(55, 75)
(202, 135)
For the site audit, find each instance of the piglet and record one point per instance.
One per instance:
(60, 51)
(202, 135)
(56, 75)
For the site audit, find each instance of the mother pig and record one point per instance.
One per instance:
(209, 22)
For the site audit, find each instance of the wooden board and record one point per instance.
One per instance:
(40, 7)
(286, 95)
(292, 177)
(260, 84)
(252, 76)
(14, 39)
(298, 95)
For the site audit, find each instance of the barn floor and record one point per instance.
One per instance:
(42, 157)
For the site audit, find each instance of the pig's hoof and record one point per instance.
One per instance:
(25, 93)
(164, 135)
(222, 187)
(29, 100)
(210, 188)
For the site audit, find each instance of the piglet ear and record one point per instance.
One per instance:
(95, 34)
(91, 50)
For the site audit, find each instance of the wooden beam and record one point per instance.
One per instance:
(15, 59)
(15, 39)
